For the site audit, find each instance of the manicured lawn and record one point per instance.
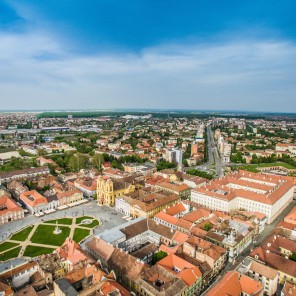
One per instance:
(78, 220)
(33, 251)
(249, 168)
(80, 234)
(6, 246)
(44, 235)
(283, 164)
(10, 254)
(63, 221)
(22, 235)
(93, 224)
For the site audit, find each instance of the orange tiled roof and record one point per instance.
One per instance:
(33, 198)
(269, 193)
(197, 215)
(167, 218)
(181, 268)
(176, 209)
(291, 217)
(8, 205)
(234, 284)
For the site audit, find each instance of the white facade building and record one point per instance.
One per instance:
(247, 191)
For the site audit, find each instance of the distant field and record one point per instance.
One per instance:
(156, 113)
(254, 167)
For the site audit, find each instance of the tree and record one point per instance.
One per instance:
(158, 256)
(207, 226)
(98, 159)
(162, 165)
(41, 152)
(293, 257)
(77, 162)
(199, 173)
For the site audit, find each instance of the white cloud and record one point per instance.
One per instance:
(39, 71)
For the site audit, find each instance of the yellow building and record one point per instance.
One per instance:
(146, 205)
(109, 189)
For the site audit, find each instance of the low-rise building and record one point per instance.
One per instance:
(20, 275)
(288, 290)
(182, 190)
(145, 204)
(34, 201)
(235, 284)
(266, 275)
(157, 280)
(23, 174)
(181, 268)
(147, 169)
(69, 196)
(286, 268)
(9, 210)
(253, 192)
(205, 251)
(87, 186)
(72, 255)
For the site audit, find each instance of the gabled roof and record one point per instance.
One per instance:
(102, 248)
(145, 225)
(124, 263)
(234, 284)
(275, 261)
(176, 209)
(181, 268)
(33, 198)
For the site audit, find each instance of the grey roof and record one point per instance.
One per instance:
(66, 288)
(114, 234)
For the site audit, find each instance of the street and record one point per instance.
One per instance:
(214, 161)
(265, 233)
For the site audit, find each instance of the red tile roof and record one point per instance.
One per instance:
(33, 198)
(234, 284)
(181, 268)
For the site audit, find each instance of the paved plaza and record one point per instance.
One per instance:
(108, 217)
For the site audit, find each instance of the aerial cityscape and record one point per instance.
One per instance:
(147, 148)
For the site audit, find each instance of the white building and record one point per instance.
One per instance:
(174, 155)
(122, 206)
(248, 191)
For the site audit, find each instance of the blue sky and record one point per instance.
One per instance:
(98, 54)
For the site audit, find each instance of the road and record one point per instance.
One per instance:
(214, 161)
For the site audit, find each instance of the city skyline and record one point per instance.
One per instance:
(99, 55)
